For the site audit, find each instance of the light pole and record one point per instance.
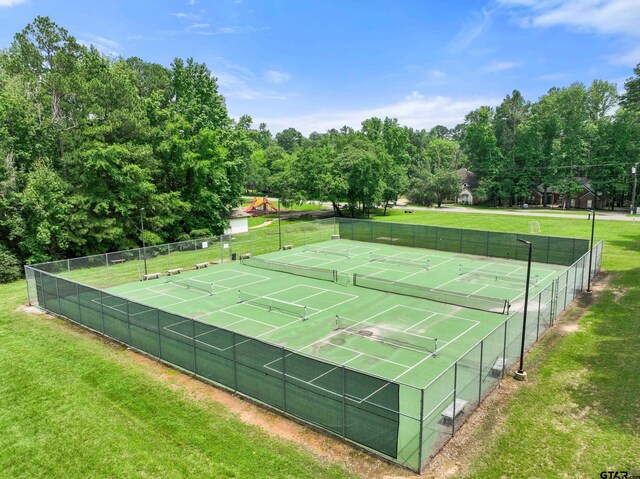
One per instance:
(144, 247)
(521, 375)
(593, 227)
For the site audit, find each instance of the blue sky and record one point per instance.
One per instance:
(316, 65)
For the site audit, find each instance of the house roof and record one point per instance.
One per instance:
(467, 178)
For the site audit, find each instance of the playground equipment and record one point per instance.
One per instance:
(261, 206)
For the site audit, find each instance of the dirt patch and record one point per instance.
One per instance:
(25, 308)
(322, 446)
(568, 328)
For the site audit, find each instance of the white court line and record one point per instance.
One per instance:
(419, 322)
(338, 332)
(359, 352)
(439, 349)
(436, 312)
(457, 276)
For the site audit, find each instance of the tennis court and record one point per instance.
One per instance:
(379, 325)
(389, 346)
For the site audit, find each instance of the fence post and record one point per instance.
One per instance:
(106, 264)
(480, 372)
(539, 308)
(195, 356)
(420, 433)
(159, 334)
(128, 322)
(455, 385)
(284, 381)
(102, 311)
(504, 347)
(58, 297)
(344, 402)
(235, 363)
(79, 308)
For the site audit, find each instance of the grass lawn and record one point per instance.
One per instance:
(579, 412)
(74, 406)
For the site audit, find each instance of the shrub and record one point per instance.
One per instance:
(9, 266)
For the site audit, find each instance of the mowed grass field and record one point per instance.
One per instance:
(76, 406)
(579, 412)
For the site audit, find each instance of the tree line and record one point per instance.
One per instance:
(89, 142)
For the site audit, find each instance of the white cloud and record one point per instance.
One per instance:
(276, 77)
(600, 16)
(500, 66)
(437, 74)
(103, 45)
(199, 25)
(630, 58)
(180, 15)
(238, 85)
(417, 113)
(470, 31)
(415, 95)
(10, 3)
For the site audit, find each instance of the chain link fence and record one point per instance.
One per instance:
(398, 421)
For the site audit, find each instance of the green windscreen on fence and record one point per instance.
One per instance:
(546, 249)
(352, 404)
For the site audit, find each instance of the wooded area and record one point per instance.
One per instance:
(87, 142)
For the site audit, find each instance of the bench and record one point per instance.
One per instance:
(245, 256)
(287, 246)
(447, 414)
(118, 261)
(147, 277)
(498, 367)
(202, 265)
(171, 272)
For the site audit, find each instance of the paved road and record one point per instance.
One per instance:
(601, 215)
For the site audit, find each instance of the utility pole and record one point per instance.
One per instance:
(634, 206)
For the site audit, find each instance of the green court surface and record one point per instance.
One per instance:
(396, 337)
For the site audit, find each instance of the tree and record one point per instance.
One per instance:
(289, 139)
(421, 190)
(446, 183)
(630, 100)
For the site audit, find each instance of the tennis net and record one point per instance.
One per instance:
(472, 301)
(384, 334)
(405, 262)
(194, 284)
(271, 304)
(335, 252)
(497, 275)
(323, 274)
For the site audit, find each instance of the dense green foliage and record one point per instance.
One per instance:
(87, 141)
